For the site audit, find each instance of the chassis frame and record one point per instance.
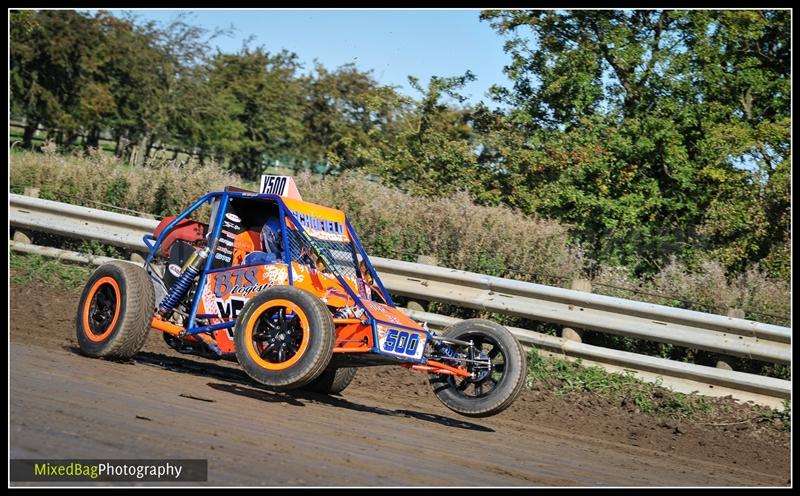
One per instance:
(368, 353)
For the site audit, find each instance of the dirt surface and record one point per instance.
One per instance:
(387, 429)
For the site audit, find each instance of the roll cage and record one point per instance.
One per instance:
(219, 201)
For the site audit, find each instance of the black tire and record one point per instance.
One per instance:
(506, 377)
(332, 380)
(115, 311)
(299, 364)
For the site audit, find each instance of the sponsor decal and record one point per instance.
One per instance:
(336, 292)
(174, 269)
(279, 274)
(221, 249)
(229, 308)
(321, 228)
(226, 292)
(233, 217)
(226, 242)
(250, 290)
(274, 185)
(364, 291)
(241, 282)
(220, 256)
(230, 225)
(401, 342)
(228, 234)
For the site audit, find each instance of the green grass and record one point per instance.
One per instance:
(26, 269)
(566, 377)
(783, 415)
(573, 377)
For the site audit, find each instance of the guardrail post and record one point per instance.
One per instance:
(23, 236)
(422, 306)
(724, 361)
(568, 332)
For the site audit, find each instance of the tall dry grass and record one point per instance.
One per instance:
(705, 289)
(457, 232)
(460, 234)
(159, 188)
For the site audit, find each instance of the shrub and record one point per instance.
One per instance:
(390, 223)
(460, 234)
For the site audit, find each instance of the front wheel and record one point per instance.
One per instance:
(497, 362)
(284, 337)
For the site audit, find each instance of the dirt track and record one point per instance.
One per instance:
(386, 430)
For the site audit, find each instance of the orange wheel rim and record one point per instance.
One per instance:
(265, 335)
(100, 314)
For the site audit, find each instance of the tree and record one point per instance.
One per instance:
(348, 116)
(269, 93)
(743, 60)
(631, 122)
(155, 65)
(52, 56)
(206, 117)
(435, 150)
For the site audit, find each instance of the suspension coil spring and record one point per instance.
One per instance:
(349, 313)
(177, 291)
(444, 349)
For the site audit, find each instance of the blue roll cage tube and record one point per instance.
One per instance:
(284, 213)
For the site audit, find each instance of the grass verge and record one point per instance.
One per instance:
(27, 268)
(567, 378)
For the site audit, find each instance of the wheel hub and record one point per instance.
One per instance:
(102, 308)
(482, 369)
(277, 337)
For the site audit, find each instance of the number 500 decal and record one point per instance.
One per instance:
(401, 343)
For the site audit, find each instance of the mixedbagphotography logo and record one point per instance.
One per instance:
(30, 470)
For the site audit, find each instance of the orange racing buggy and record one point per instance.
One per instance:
(284, 287)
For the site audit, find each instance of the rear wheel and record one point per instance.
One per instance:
(332, 380)
(284, 337)
(497, 362)
(115, 311)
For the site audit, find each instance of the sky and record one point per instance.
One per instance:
(394, 44)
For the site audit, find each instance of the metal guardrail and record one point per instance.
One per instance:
(75, 221)
(618, 316)
(715, 333)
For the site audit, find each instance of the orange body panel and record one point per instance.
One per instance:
(390, 315)
(226, 292)
(353, 337)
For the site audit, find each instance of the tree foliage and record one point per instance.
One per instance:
(652, 133)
